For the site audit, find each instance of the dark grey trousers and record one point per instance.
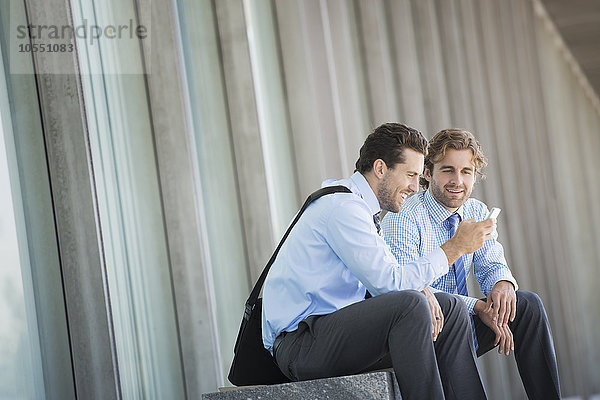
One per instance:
(391, 330)
(534, 348)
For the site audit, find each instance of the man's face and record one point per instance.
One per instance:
(453, 178)
(399, 182)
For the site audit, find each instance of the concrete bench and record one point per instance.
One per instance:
(380, 385)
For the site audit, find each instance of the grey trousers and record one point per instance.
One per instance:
(391, 330)
(534, 347)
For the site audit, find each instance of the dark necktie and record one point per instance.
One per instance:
(377, 224)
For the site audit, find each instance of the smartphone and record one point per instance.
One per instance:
(494, 212)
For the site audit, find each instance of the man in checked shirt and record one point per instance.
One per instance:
(508, 318)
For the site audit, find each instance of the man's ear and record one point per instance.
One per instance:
(379, 168)
(427, 175)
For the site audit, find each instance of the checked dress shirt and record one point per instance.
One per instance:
(420, 228)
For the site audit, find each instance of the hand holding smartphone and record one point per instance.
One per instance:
(494, 212)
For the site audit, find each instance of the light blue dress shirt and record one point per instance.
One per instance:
(332, 256)
(420, 228)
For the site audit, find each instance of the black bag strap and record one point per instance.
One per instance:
(261, 280)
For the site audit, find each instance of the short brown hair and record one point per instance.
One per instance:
(387, 142)
(457, 139)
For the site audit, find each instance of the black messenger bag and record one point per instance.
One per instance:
(252, 363)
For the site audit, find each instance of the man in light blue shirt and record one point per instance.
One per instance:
(507, 317)
(316, 320)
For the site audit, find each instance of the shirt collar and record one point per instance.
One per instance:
(365, 192)
(437, 212)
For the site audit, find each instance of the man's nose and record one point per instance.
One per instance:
(456, 178)
(414, 185)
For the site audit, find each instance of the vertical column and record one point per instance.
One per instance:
(186, 234)
(431, 64)
(347, 79)
(216, 187)
(548, 273)
(75, 210)
(382, 84)
(273, 119)
(308, 84)
(555, 76)
(455, 61)
(38, 233)
(249, 156)
(406, 66)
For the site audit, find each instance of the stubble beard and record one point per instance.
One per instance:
(440, 195)
(387, 200)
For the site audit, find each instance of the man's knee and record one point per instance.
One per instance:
(529, 303)
(409, 302)
(452, 305)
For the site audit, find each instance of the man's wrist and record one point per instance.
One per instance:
(504, 281)
(452, 252)
(479, 306)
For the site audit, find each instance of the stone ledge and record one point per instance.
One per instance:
(371, 386)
